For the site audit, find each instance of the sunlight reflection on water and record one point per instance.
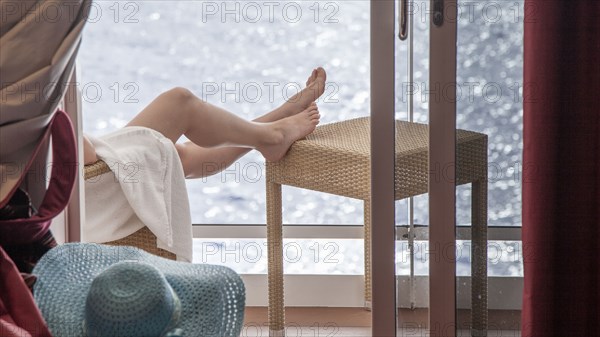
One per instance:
(130, 56)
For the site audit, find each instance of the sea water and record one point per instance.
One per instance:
(249, 56)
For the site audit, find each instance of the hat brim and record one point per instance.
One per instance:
(212, 297)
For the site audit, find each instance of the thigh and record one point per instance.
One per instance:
(165, 114)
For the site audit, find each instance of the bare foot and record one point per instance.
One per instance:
(315, 87)
(284, 132)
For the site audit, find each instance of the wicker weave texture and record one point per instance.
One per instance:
(276, 310)
(95, 169)
(336, 159)
(143, 238)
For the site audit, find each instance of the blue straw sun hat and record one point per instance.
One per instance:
(131, 299)
(96, 290)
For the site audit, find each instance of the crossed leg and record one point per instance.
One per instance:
(220, 137)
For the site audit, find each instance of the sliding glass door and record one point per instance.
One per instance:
(395, 162)
(442, 168)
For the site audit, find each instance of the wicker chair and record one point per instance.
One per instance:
(143, 238)
(335, 159)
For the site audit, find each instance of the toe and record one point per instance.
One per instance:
(312, 77)
(312, 107)
(321, 74)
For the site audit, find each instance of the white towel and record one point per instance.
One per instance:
(147, 189)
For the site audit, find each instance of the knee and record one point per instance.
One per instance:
(180, 95)
(181, 102)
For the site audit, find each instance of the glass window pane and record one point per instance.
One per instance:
(345, 256)
(489, 80)
(247, 57)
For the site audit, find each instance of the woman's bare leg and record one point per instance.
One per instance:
(178, 112)
(200, 162)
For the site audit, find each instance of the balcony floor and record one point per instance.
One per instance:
(362, 332)
(355, 322)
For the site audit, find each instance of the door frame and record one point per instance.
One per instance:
(442, 168)
(442, 152)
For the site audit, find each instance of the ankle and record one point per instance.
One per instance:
(273, 135)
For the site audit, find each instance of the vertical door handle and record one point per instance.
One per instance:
(403, 19)
(438, 12)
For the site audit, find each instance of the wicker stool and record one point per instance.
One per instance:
(143, 238)
(336, 159)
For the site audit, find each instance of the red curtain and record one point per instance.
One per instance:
(561, 179)
(19, 316)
